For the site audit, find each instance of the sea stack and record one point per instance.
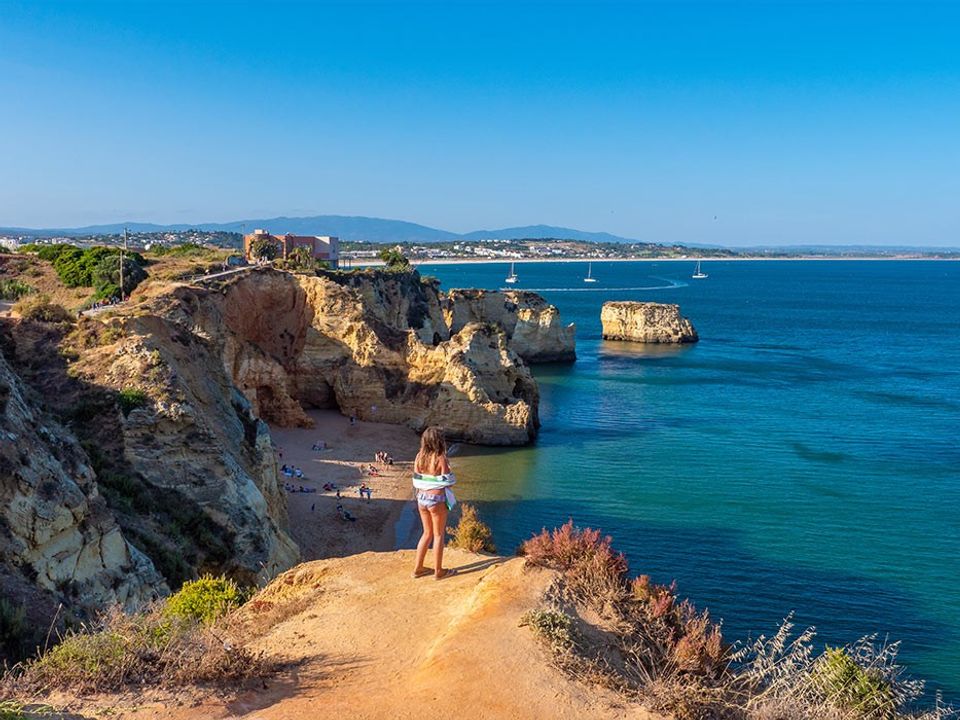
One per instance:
(646, 322)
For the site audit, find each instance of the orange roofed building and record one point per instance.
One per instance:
(321, 247)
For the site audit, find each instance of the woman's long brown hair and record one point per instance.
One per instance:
(433, 446)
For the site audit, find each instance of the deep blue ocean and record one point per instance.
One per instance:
(803, 456)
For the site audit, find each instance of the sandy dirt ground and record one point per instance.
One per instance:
(315, 524)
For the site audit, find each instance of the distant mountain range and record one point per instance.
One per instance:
(345, 227)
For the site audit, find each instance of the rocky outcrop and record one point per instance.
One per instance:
(374, 345)
(646, 322)
(55, 528)
(532, 326)
(196, 437)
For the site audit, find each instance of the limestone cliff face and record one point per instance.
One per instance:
(196, 436)
(55, 529)
(376, 346)
(532, 325)
(646, 322)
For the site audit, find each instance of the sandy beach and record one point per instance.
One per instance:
(315, 524)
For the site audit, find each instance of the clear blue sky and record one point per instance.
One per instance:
(789, 122)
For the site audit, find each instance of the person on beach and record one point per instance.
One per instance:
(432, 479)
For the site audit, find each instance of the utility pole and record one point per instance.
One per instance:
(121, 262)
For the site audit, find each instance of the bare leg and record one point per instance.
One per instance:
(438, 513)
(425, 539)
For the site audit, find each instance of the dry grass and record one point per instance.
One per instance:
(40, 275)
(40, 308)
(137, 650)
(472, 534)
(194, 637)
(784, 677)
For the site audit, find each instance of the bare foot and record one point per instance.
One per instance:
(421, 572)
(441, 574)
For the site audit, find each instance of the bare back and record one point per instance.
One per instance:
(431, 464)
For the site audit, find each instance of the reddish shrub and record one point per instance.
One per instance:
(568, 548)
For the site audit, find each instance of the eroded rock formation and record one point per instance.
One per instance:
(374, 345)
(531, 324)
(646, 322)
(55, 528)
(194, 436)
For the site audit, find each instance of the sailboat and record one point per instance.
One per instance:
(698, 275)
(512, 277)
(589, 277)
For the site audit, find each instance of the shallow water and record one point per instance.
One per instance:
(803, 456)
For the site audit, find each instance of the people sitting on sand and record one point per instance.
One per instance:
(327, 487)
(345, 514)
(298, 472)
(319, 445)
(432, 479)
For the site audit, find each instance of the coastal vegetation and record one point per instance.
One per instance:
(97, 267)
(204, 600)
(394, 259)
(264, 248)
(661, 650)
(13, 289)
(40, 308)
(471, 533)
(130, 399)
(188, 639)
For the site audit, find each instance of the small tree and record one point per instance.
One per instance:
(301, 258)
(105, 276)
(264, 248)
(394, 259)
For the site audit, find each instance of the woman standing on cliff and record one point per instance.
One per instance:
(432, 479)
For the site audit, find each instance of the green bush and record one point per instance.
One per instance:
(264, 248)
(94, 267)
(395, 260)
(851, 687)
(49, 252)
(551, 626)
(130, 399)
(106, 274)
(84, 658)
(14, 289)
(39, 308)
(205, 600)
(471, 533)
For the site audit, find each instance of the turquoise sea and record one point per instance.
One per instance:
(803, 456)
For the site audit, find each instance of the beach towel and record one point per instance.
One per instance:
(443, 482)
